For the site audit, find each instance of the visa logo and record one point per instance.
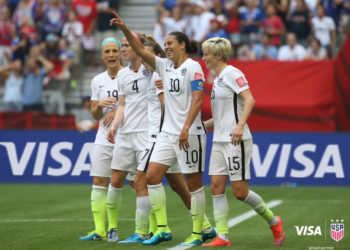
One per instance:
(19, 163)
(330, 161)
(308, 230)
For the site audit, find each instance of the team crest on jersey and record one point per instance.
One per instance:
(183, 71)
(337, 230)
(198, 76)
(146, 72)
(241, 82)
(221, 82)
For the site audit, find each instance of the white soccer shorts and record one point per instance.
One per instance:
(143, 166)
(166, 151)
(234, 161)
(128, 151)
(101, 159)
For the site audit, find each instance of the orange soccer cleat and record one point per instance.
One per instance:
(218, 242)
(278, 232)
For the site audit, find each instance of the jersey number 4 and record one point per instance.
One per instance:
(135, 87)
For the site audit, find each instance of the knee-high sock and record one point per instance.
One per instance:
(143, 207)
(114, 200)
(152, 222)
(220, 206)
(206, 222)
(158, 200)
(257, 203)
(98, 208)
(197, 210)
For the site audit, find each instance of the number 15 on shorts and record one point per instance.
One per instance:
(233, 164)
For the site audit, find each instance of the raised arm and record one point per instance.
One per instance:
(118, 118)
(149, 58)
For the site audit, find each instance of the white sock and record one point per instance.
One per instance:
(198, 209)
(143, 208)
(220, 206)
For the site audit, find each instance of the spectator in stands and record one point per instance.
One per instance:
(333, 8)
(165, 5)
(159, 28)
(292, 51)
(281, 6)
(21, 45)
(37, 68)
(53, 20)
(25, 9)
(216, 29)
(251, 20)
(83, 117)
(72, 31)
(233, 26)
(324, 29)
(315, 51)
(87, 14)
(175, 22)
(264, 50)
(201, 21)
(245, 52)
(299, 22)
(12, 4)
(7, 34)
(188, 10)
(13, 76)
(105, 10)
(273, 25)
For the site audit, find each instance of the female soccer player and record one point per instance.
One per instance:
(104, 99)
(173, 175)
(231, 105)
(183, 136)
(132, 136)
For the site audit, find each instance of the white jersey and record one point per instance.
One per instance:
(227, 105)
(103, 86)
(154, 109)
(178, 94)
(134, 86)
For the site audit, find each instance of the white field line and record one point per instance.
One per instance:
(236, 220)
(67, 219)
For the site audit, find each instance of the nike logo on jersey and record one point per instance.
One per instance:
(167, 70)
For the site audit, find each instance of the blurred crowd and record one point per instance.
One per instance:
(43, 43)
(260, 29)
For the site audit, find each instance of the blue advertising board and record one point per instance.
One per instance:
(278, 158)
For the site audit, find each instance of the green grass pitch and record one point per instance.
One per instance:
(55, 216)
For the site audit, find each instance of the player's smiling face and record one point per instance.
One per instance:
(128, 53)
(210, 60)
(173, 48)
(111, 54)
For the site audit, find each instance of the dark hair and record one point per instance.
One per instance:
(151, 42)
(191, 46)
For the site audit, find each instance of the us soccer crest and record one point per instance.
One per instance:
(221, 82)
(337, 229)
(146, 72)
(183, 71)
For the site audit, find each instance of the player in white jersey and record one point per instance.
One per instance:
(231, 105)
(104, 101)
(132, 135)
(183, 136)
(174, 176)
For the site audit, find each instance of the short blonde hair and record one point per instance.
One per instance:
(218, 45)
